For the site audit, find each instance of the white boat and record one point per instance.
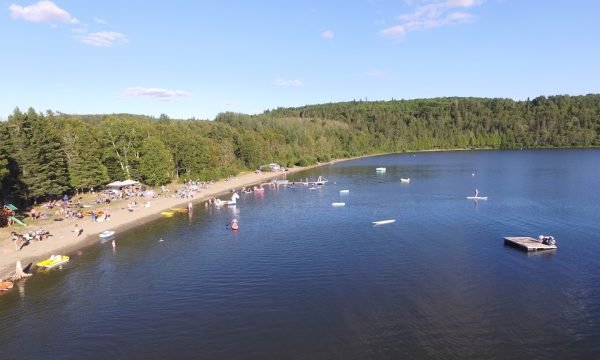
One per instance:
(405, 180)
(380, 169)
(107, 233)
(477, 197)
(382, 222)
(344, 191)
(320, 181)
(338, 204)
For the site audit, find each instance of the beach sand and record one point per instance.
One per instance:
(65, 241)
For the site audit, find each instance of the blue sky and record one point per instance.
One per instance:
(198, 58)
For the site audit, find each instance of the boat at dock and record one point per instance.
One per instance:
(530, 244)
(321, 181)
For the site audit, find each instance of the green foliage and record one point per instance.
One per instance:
(84, 154)
(36, 148)
(156, 165)
(46, 155)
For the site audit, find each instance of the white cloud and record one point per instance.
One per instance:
(156, 93)
(103, 38)
(382, 75)
(42, 11)
(431, 14)
(328, 34)
(292, 83)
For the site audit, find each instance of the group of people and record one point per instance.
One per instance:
(21, 240)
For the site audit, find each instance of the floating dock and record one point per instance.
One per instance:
(527, 243)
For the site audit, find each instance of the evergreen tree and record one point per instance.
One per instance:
(38, 152)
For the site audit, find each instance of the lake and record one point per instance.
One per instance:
(303, 279)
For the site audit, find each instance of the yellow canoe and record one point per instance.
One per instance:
(53, 261)
(167, 213)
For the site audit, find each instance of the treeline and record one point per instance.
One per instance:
(47, 155)
(556, 121)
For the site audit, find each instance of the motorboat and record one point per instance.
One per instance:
(53, 261)
(547, 239)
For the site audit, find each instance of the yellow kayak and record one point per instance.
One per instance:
(167, 213)
(53, 261)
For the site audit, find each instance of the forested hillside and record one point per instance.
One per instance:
(47, 155)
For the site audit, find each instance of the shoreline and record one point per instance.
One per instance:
(64, 241)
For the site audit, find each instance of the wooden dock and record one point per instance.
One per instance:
(527, 243)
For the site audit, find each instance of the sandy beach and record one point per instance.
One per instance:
(64, 241)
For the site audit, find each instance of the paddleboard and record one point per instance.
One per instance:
(382, 222)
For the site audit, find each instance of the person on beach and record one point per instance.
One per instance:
(77, 230)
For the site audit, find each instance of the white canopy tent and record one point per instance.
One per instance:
(121, 184)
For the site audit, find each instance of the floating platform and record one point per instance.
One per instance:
(527, 243)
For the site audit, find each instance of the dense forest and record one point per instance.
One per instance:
(47, 155)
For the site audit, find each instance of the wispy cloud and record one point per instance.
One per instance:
(292, 83)
(103, 38)
(382, 75)
(431, 14)
(100, 21)
(42, 12)
(328, 34)
(157, 93)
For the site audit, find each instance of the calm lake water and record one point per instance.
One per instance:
(302, 279)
